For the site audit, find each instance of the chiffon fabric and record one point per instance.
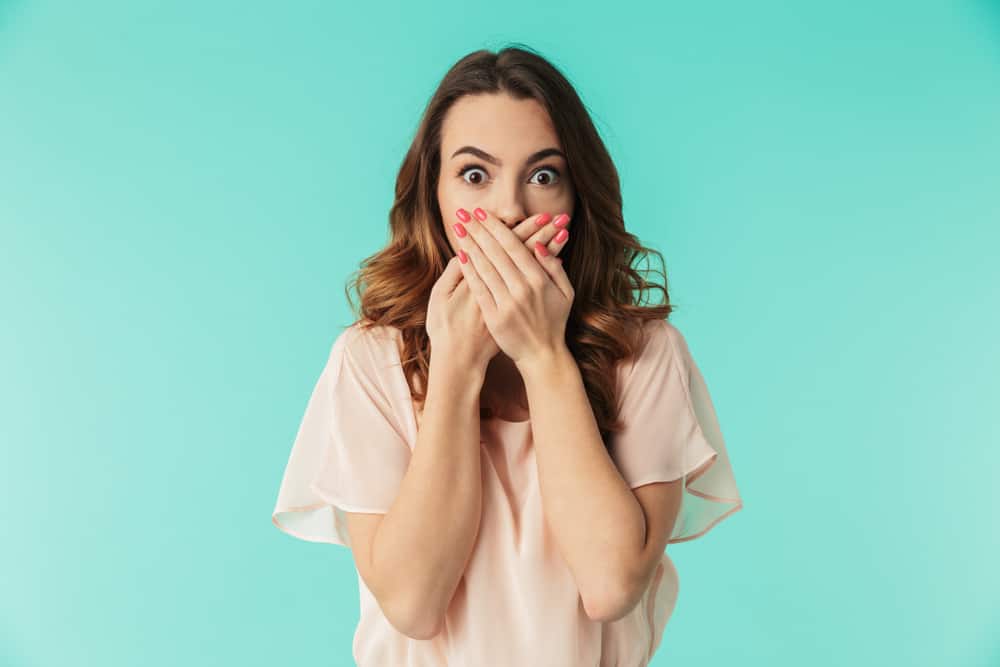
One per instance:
(517, 603)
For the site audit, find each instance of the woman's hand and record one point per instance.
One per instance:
(454, 318)
(455, 324)
(525, 296)
(537, 228)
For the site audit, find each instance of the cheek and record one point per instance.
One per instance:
(551, 200)
(448, 203)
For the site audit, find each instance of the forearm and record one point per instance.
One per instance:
(424, 542)
(597, 522)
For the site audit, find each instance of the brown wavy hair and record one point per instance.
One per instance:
(394, 284)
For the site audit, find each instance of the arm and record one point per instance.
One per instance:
(598, 523)
(422, 545)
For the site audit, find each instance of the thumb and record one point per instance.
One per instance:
(450, 277)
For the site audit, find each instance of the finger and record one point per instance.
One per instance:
(507, 252)
(485, 270)
(528, 228)
(461, 292)
(479, 288)
(558, 241)
(513, 261)
(449, 278)
(546, 233)
(553, 266)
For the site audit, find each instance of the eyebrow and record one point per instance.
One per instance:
(534, 157)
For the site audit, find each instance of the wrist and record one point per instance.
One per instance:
(456, 372)
(547, 363)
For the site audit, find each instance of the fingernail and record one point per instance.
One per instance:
(460, 229)
(543, 218)
(542, 250)
(561, 221)
(463, 215)
(480, 213)
(562, 235)
(462, 257)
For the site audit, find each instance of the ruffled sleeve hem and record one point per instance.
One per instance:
(352, 447)
(323, 521)
(671, 432)
(710, 491)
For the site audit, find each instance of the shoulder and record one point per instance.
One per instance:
(372, 350)
(655, 339)
(365, 338)
(659, 352)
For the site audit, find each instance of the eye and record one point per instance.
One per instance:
(549, 181)
(472, 168)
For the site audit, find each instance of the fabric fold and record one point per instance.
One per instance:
(351, 450)
(671, 431)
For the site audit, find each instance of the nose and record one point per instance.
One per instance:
(508, 205)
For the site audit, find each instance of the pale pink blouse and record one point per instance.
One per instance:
(517, 603)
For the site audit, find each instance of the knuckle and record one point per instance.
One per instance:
(536, 282)
(520, 290)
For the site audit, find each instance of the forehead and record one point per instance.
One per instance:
(497, 123)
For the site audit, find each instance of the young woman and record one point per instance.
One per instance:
(505, 438)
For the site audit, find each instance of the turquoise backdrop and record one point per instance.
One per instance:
(185, 187)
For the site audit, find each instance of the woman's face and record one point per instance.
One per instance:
(502, 155)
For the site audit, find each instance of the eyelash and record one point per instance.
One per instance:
(473, 165)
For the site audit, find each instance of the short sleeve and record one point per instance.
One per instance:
(670, 430)
(352, 447)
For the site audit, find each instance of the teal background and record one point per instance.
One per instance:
(185, 187)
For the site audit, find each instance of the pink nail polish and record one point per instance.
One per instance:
(463, 215)
(460, 229)
(543, 218)
(561, 221)
(542, 250)
(562, 235)
(479, 213)
(462, 257)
